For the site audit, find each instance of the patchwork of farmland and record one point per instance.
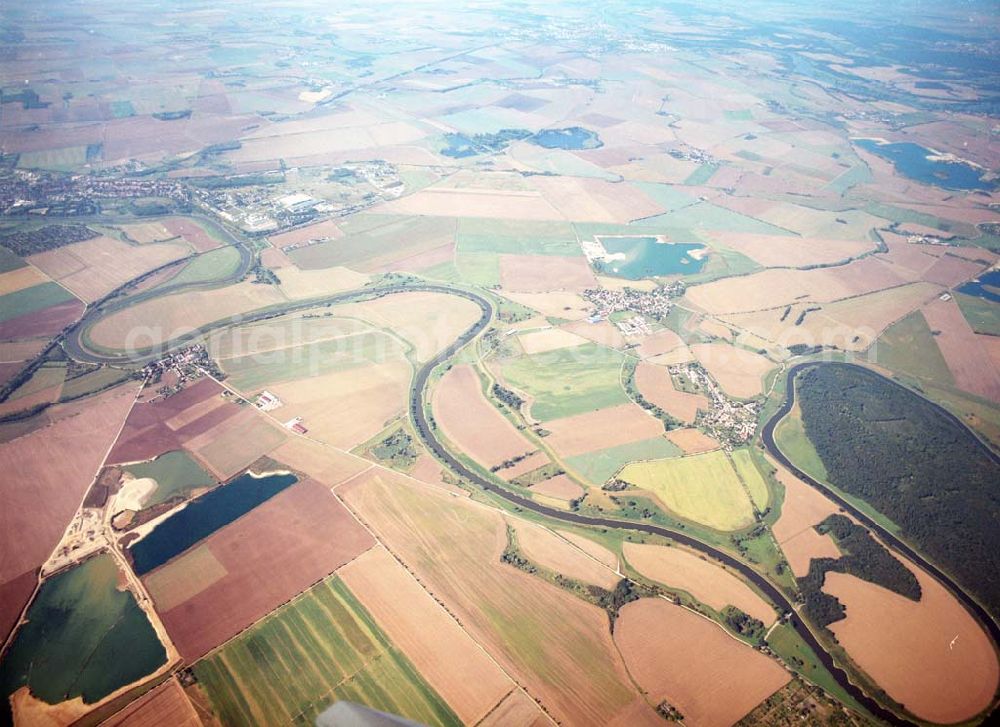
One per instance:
(321, 648)
(625, 229)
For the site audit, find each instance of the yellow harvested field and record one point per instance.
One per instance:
(604, 333)
(93, 268)
(20, 350)
(594, 550)
(715, 328)
(473, 424)
(178, 580)
(584, 199)
(657, 387)
(428, 321)
(517, 710)
(15, 280)
(444, 654)
(560, 487)
(930, 655)
(236, 443)
(692, 441)
(559, 648)
(160, 319)
(658, 343)
(677, 356)
(285, 333)
(704, 579)
(703, 488)
(690, 662)
(785, 251)
(601, 429)
(529, 463)
(347, 407)
(773, 288)
(164, 706)
(302, 284)
(543, 547)
(542, 273)
(802, 509)
(558, 305)
(739, 372)
(492, 203)
(319, 462)
(967, 359)
(550, 339)
(851, 324)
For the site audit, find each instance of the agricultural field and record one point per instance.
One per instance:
(93, 268)
(704, 488)
(242, 572)
(471, 422)
(723, 679)
(445, 655)
(710, 583)
(930, 656)
(568, 381)
(164, 706)
(558, 648)
(325, 647)
(600, 465)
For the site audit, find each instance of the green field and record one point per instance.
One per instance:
(84, 638)
(94, 381)
(751, 477)
(49, 374)
(516, 237)
(598, 467)
(703, 488)
(789, 646)
(176, 475)
(64, 159)
(321, 648)
(29, 300)
(9, 261)
(908, 347)
(982, 315)
(790, 436)
(478, 268)
(370, 238)
(569, 381)
(702, 174)
(208, 267)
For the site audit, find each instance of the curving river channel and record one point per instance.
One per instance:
(77, 349)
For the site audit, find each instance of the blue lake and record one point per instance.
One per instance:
(574, 137)
(204, 516)
(985, 286)
(911, 161)
(646, 257)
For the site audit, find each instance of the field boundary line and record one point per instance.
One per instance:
(517, 684)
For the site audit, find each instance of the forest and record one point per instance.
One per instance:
(912, 462)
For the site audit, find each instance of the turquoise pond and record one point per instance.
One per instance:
(646, 257)
(911, 160)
